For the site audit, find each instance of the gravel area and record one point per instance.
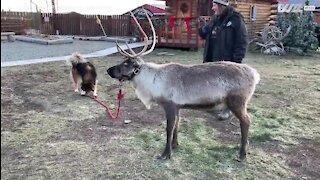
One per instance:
(13, 51)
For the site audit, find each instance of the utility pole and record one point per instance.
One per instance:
(53, 17)
(57, 5)
(30, 5)
(47, 5)
(53, 7)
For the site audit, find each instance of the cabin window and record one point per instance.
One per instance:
(253, 12)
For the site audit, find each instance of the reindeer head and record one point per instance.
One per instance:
(131, 66)
(125, 70)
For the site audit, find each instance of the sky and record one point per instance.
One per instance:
(103, 7)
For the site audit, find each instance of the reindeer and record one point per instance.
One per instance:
(199, 86)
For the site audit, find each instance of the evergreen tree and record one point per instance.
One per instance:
(302, 36)
(309, 26)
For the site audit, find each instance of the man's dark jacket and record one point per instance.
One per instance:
(231, 39)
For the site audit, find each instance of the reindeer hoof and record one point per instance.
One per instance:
(164, 157)
(241, 158)
(82, 93)
(76, 90)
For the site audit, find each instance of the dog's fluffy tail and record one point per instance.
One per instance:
(75, 59)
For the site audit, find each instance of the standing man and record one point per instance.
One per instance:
(226, 39)
(225, 35)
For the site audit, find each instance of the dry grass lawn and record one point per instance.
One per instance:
(50, 132)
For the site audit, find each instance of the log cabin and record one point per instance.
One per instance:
(179, 28)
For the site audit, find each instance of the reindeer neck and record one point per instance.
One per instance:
(147, 75)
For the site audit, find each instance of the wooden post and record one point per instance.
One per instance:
(99, 22)
(53, 7)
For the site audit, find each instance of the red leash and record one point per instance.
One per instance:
(120, 97)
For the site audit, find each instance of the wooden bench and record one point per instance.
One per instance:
(9, 35)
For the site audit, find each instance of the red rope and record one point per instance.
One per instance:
(120, 97)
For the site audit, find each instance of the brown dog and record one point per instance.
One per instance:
(84, 72)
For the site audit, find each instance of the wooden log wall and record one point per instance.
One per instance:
(183, 12)
(180, 9)
(263, 15)
(31, 19)
(16, 25)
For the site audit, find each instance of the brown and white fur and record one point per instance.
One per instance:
(84, 73)
(175, 86)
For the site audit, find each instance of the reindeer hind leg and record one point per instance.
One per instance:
(238, 105)
(175, 142)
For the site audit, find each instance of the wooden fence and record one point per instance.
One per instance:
(77, 24)
(71, 23)
(171, 33)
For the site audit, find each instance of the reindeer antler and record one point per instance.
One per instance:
(153, 35)
(143, 51)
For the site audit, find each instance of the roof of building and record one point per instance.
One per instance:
(154, 9)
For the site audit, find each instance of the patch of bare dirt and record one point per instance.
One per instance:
(304, 159)
(103, 128)
(19, 95)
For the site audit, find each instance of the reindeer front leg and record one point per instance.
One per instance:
(175, 142)
(171, 111)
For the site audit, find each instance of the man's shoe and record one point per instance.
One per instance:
(224, 115)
